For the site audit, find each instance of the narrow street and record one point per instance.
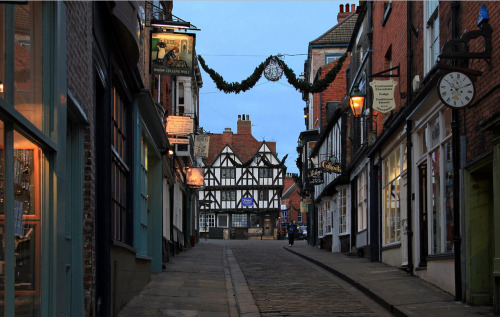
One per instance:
(248, 278)
(283, 284)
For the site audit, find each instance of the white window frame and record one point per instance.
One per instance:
(343, 210)
(394, 166)
(431, 34)
(210, 222)
(362, 200)
(328, 217)
(320, 222)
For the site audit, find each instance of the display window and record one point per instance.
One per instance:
(24, 228)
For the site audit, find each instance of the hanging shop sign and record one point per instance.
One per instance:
(304, 207)
(201, 143)
(247, 201)
(316, 176)
(172, 54)
(179, 125)
(178, 141)
(194, 177)
(331, 167)
(383, 95)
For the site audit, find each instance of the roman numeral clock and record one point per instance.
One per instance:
(456, 89)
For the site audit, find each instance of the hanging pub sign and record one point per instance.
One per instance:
(179, 125)
(172, 54)
(383, 95)
(331, 167)
(201, 143)
(194, 177)
(316, 176)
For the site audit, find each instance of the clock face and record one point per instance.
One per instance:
(456, 89)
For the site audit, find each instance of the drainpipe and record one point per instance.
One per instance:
(409, 60)
(455, 131)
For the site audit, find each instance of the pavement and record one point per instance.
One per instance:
(219, 288)
(399, 292)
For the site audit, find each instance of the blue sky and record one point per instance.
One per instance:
(235, 37)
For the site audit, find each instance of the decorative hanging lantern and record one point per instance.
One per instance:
(273, 70)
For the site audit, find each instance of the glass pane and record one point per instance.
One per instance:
(436, 202)
(28, 62)
(27, 225)
(447, 121)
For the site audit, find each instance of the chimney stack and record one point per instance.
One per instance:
(349, 9)
(244, 124)
(227, 136)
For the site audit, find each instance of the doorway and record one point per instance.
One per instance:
(423, 232)
(268, 227)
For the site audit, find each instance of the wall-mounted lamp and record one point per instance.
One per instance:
(1, 86)
(170, 152)
(357, 100)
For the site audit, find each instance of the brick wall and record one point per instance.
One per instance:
(390, 40)
(80, 82)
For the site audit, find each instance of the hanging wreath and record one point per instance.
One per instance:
(274, 67)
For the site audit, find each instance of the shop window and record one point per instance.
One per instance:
(27, 223)
(206, 222)
(342, 205)
(120, 170)
(362, 201)
(393, 166)
(239, 221)
(328, 218)
(222, 221)
(321, 222)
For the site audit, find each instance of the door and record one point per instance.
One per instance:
(268, 227)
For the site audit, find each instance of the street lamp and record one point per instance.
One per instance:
(357, 100)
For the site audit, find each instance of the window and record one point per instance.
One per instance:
(228, 173)
(393, 167)
(239, 221)
(228, 195)
(254, 220)
(342, 204)
(330, 58)
(120, 171)
(439, 188)
(431, 34)
(321, 222)
(206, 221)
(264, 195)
(299, 217)
(222, 221)
(265, 172)
(362, 201)
(328, 218)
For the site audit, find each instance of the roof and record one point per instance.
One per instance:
(339, 34)
(289, 191)
(245, 146)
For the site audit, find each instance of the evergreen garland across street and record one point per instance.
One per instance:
(302, 85)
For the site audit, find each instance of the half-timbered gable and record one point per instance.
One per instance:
(244, 178)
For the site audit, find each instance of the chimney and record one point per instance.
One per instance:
(244, 125)
(227, 136)
(348, 11)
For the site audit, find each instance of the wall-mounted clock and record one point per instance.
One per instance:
(456, 89)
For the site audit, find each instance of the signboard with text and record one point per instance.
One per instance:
(172, 54)
(316, 176)
(179, 125)
(246, 201)
(383, 95)
(201, 143)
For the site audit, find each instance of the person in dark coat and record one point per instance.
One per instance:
(292, 230)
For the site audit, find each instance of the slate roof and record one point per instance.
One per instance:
(339, 34)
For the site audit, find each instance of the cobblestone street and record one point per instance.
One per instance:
(283, 284)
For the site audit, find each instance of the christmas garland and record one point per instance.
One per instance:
(299, 84)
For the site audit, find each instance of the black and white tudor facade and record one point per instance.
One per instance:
(241, 198)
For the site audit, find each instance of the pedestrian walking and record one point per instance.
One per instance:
(292, 230)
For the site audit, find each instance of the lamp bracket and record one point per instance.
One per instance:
(459, 48)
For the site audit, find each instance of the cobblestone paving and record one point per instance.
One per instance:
(284, 285)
